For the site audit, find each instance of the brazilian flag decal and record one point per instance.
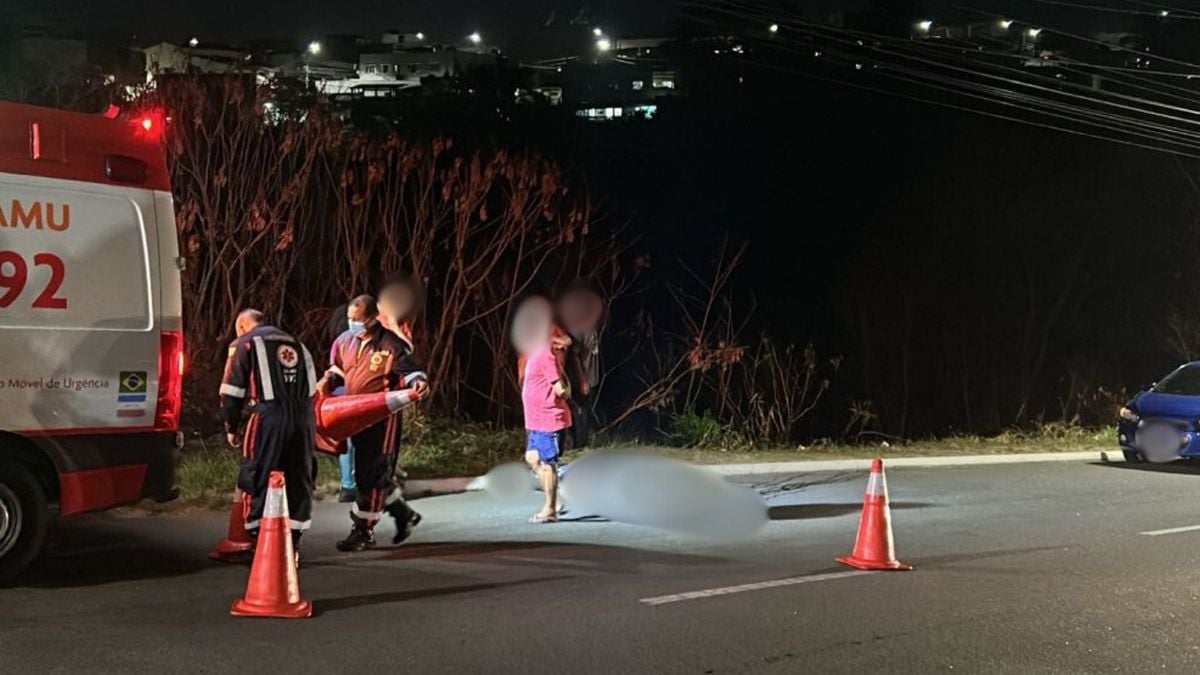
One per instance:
(133, 382)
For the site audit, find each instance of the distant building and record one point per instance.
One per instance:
(166, 58)
(310, 67)
(410, 65)
(626, 80)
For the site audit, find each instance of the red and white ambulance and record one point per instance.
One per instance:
(91, 341)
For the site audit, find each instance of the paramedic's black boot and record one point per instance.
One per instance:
(406, 519)
(347, 496)
(361, 537)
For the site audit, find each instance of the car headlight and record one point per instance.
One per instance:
(1128, 414)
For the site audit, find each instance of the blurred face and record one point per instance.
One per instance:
(397, 304)
(531, 325)
(581, 310)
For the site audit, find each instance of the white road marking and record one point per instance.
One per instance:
(1173, 530)
(727, 590)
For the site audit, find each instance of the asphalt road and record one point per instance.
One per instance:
(1027, 568)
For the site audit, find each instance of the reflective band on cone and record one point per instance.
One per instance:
(874, 548)
(397, 400)
(340, 417)
(274, 586)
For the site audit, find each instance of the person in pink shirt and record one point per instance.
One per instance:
(544, 394)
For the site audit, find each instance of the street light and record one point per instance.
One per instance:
(1033, 32)
(597, 31)
(475, 37)
(603, 44)
(420, 37)
(774, 28)
(314, 48)
(1005, 23)
(924, 25)
(193, 42)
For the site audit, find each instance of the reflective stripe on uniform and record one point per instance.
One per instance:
(312, 371)
(366, 515)
(414, 376)
(235, 392)
(393, 498)
(264, 369)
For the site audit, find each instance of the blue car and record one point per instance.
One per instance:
(1162, 424)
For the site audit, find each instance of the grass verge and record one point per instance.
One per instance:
(207, 471)
(442, 448)
(1050, 438)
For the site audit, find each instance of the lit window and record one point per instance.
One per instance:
(646, 111)
(663, 81)
(638, 85)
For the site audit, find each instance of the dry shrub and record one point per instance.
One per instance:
(282, 207)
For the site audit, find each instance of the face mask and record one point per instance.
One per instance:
(357, 327)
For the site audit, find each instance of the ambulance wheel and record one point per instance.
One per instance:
(24, 519)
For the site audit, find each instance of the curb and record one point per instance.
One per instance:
(900, 462)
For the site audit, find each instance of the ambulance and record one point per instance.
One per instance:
(91, 337)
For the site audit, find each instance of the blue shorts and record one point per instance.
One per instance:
(548, 444)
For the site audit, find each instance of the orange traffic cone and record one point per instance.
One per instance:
(274, 586)
(340, 417)
(236, 539)
(873, 547)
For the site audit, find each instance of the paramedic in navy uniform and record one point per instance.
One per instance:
(271, 375)
(379, 359)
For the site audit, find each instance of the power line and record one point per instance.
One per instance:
(1162, 13)
(1032, 85)
(976, 111)
(1082, 38)
(1174, 10)
(1118, 123)
(1168, 138)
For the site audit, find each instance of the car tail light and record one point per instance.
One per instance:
(170, 381)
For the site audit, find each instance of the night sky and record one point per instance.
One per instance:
(506, 23)
(503, 22)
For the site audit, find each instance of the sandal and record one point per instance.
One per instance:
(542, 519)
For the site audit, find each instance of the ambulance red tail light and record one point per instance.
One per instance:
(170, 381)
(150, 124)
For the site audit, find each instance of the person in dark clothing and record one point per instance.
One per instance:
(271, 375)
(581, 311)
(379, 359)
